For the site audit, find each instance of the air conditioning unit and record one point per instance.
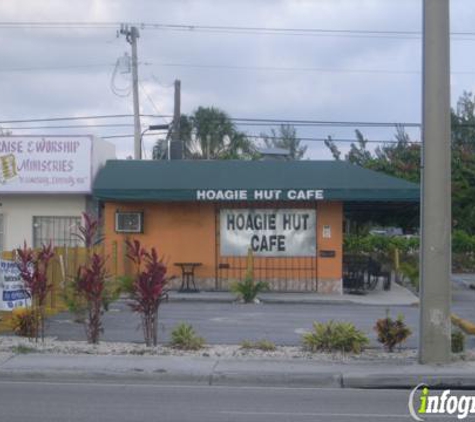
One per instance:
(129, 222)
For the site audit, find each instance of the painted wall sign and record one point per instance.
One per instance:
(259, 195)
(45, 164)
(12, 289)
(279, 233)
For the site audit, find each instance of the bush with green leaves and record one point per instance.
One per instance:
(392, 332)
(184, 337)
(264, 345)
(409, 269)
(248, 289)
(458, 341)
(463, 242)
(335, 337)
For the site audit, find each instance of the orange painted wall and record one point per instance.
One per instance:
(181, 232)
(186, 232)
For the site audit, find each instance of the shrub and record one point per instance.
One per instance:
(91, 284)
(148, 288)
(21, 349)
(335, 337)
(410, 270)
(392, 332)
(24, 322)
(264, 345)
(185, 338)
(248, 290)
(458, 341)
(33, 267)
(462, 242)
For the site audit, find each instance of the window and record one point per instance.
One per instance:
(129, 222)
(60, 231)
(1, 233)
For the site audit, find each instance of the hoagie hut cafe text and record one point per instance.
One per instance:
(289, 214)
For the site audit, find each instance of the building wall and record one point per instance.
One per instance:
(186, 232)
(101, 152)
(18, 212)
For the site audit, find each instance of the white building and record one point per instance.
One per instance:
(45, 185)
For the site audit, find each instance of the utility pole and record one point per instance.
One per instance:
(435, 296)
(131, 36)
(177, 149)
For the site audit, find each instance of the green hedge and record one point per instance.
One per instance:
(462, 243)
(379, 244)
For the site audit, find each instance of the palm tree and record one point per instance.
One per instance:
(210, 134)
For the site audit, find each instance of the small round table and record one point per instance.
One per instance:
(188, 275)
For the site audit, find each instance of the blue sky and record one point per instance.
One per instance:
(59, 72)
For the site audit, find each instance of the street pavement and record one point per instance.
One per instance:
(137, 402)
(231, 323)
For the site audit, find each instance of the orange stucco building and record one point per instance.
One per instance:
(290, 214)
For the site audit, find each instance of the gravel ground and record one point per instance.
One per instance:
(51, 345)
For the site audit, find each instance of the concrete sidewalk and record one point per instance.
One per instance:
(254, 372)
(397, 296)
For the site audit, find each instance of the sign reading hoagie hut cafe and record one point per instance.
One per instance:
(280, 232)
(259, 195)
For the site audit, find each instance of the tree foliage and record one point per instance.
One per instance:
(402, 159)
(286, 138)
(209, 133)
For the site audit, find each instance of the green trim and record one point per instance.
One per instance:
(148, 181)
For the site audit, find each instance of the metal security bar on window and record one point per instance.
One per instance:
(60, 231)
(129, 222)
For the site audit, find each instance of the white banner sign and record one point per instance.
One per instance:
(45, 164)
(12, 289)
(279, 233)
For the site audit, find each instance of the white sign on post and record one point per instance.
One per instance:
(45, 164)
(273, 233)
(12, 288)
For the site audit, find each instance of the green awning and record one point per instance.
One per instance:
(225, 180)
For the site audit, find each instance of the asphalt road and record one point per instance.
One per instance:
(228, 323)
(127, 402)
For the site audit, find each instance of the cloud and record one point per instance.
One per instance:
(329, 81)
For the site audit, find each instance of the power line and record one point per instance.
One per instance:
(39, 68)
(59, 119)
(257, 121)
(344, 140)
(224, 29)
(68, 126)
(297, 69)
(233, 67)
(305, 139)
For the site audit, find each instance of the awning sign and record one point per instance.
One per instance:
(277, 233)
(259, 195)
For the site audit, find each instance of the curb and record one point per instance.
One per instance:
(235, 379)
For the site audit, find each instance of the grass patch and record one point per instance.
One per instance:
(185, 338)
(23, 350)
(264, 345)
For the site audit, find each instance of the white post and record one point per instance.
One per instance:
(435, 295)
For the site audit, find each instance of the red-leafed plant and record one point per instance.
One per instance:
(91, 283)
(74, 295)
(148, 288)
(33, 267)
(89, 231)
